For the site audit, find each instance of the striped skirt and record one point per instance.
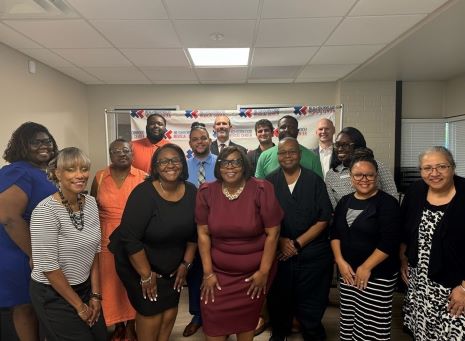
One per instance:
(367, 314)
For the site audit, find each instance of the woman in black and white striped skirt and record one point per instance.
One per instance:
(365, 243)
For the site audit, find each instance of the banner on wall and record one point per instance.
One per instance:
(243, 123)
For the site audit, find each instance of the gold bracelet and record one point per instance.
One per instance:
(147, 280)
(208, 276)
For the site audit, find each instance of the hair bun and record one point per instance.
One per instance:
(363, 152)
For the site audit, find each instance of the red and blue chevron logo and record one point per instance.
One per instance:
(137, 113)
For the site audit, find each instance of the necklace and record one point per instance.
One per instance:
(78, 221)
(163, 189)
(230, 196)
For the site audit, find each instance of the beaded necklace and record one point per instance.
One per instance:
(78, 221)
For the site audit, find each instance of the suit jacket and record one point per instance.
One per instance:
(215, 150)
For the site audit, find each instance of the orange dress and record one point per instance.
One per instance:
(142, 151)
(111, 201)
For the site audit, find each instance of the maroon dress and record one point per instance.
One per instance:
(237, 240)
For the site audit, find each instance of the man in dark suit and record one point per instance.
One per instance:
(222, 127)
(325, 131)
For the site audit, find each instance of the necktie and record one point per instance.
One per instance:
(222, 147)
(201, 173)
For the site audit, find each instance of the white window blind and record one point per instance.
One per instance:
(457, 144)
(417, 135)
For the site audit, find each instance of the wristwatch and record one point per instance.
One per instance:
(186, 264)
(296, 244)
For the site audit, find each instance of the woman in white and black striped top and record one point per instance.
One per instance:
(65, 238)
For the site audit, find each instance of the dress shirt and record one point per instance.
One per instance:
(193, 167)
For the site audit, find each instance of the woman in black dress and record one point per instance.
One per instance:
(155, 244)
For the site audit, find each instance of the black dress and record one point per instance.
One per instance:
(163, 229)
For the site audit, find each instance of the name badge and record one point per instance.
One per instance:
(345, 176)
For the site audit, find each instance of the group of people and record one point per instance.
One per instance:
(255, 235)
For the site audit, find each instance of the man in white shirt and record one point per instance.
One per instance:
(325, 131)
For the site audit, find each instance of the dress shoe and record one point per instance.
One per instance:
(191, 329)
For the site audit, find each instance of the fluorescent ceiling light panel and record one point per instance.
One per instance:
(220, 57)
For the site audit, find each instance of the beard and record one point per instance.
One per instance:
(154, 137)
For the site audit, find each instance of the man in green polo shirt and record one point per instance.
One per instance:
(288, 126)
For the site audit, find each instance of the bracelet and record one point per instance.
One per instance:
(147, 280)
(186, 264)
(208, 276)
(297, 245)
(96, 296)
(86, 308)
(461, 285)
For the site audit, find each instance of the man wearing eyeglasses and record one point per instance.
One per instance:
(143, 149)
(288, 126)
(201, 169)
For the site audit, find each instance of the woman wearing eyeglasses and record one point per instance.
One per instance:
(238, 220)
(155, 244)
(338, 182)
(111, 188)
(365, 241)
(433, 264)
(23, 184)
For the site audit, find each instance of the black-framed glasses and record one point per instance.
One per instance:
(124, 151)
(175, 161)
(360, 176)
(338, 145)
(441, 168)
(288, 152)
(41, 142)
(235, 163)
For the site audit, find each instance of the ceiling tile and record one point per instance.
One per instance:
(224, 81)
(326, 71)
(79, 74)
(176, 82)
(138, 33)
(275, 72)
(305, 8)
(350, 54)
(294, 32)
(117, 74)
(237, 74)
(237, 33)
(156, 57)
(47, 57)
(120, 9)
(16, 40)
(93, 57)
(372, 30)
(316, 80)
(213, 9)
(275, 56)
(60, 33)
(392, 7)
(169, 73)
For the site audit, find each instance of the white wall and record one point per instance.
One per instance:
(423, 99)
(47, 97)
(103, 97)
(455, 97)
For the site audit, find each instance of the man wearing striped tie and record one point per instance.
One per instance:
(201, 168)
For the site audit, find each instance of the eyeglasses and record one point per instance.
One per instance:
(288, 152)
(439, 168)
(41, 142)
(120, 151)
(360, 176)
(175, 161)
(231, 163)
(338, 145)
(197, 139)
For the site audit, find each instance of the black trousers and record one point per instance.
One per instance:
(59, 318)
(301, 289)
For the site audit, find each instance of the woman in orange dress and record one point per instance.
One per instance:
(111, 187)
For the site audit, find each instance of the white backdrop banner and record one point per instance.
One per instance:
(243, 123)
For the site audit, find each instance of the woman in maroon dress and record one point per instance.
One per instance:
(238, 221)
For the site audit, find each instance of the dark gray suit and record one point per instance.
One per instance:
(214, 148)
